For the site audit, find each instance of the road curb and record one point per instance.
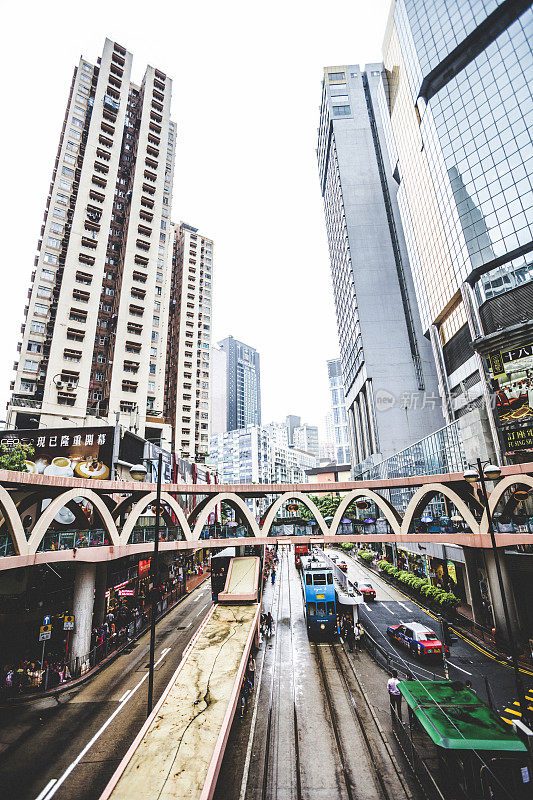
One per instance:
(23, 700)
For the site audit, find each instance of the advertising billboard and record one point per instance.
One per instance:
(511, 373)
(67, 452)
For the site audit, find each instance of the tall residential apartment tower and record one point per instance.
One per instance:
(388, 371)
(457, 92)
(243, 384)
(189, 342)
(94, 340)
(339, 432)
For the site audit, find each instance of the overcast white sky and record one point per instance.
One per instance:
(247, 83)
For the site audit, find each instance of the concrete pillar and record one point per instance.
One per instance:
(82, 608)
(496, 598)
(99, 595)
(472, 578)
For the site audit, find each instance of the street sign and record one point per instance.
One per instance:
(47, 620)
(45, 633)
(68, 623)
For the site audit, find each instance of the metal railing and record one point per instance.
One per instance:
(402, 734)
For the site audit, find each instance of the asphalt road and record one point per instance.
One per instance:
(79, 740)
(467, 661)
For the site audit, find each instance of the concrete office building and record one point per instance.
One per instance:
(243, 384)
(457, 90)
(292, 422)
(306, 438)
(388, 371)
(187, 392)
(338, 427)
(94, 339)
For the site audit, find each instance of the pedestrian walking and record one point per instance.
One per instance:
(251, 670)
(269, 623)
(395, 697)
(350, 637)
(273, 577)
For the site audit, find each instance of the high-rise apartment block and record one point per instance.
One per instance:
(94, 340)
(306, 438)
(457, 94)
(339, 419)
(292, 422)
(189, 342)
(243, 384)
(388, 371)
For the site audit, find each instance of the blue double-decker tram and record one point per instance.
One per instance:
(319, 597)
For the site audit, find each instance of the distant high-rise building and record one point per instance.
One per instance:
(306, 438)
(189, 342)
(219, 388)
(243, 382)
(387, 365)
(292, 422)
(95, 336)
(339, 419)
(456, 93)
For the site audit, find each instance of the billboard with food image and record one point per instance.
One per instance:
(67, 452)
(511, 374)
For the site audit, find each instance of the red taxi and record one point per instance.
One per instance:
(418, 639)
(367, 590)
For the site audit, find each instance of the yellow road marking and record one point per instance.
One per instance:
(508, 721)
(512, 711)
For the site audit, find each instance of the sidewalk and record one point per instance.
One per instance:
(28, 697)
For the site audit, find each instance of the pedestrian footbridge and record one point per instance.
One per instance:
(179, 749)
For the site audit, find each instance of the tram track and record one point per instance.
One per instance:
(386, 774)
(270, 779)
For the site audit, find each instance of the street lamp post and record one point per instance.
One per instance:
(487, 471)
(138, 472)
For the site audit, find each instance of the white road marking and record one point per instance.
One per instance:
(459, 668)
(165, 651)
(367, 606)
(404, 606)
(54, 786)
(126, 693)
(388, 609)
(198, 598)
(188, 626)
(252, 731)
(46, 789)
(201, 610)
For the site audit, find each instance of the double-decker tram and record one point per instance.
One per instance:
(457, 744)
(319, 596)
(299, 551)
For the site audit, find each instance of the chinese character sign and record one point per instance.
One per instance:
(68, 452)
(511, 374)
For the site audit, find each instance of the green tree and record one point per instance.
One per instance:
(15, 457)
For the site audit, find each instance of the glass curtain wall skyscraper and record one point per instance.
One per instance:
(457, 94)
(388, 370)
(339, 418)
(243, 384)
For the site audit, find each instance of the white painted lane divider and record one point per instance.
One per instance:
(404, 606)
(54, 785)
(388, 609)
(459, 668)
(126, 693)
(46, 789)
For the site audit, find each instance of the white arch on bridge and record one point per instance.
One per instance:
(45, 520)
(14, 523)
(198, 520)
(302, 498)
(392, 516)
(141, 504)
(498, 492)
(428, 491)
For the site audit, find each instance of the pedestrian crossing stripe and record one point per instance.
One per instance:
(508, 721)
(517, 703)
(512, 711)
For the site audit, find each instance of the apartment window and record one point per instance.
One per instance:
(67, 185)
(41, 309)
(44, 291)
(84, 277)
(158, 291)
(80, 296)
(53, 242)
(75, 335)
(336, 76)
(75, 134)
(55, 227)
(155, 321)
(131, 366)
(47, 274)
(100, 358)
(133, 347)
(78, 123)
(134, 328)
(126, 406)
(341, 111)
(50, 258)
(60, 213)
(71, 355)
(155, 336)
(30, 366)
(66, 399)
(81, 99)
(34, 347)
(129, 386)
(69, 159)
(151, 386)
(78, 316)
(136, 311)
(152, 369)
(27, 386)
(159, 277)
(67, 171)
(153, 352)
(38, 327)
